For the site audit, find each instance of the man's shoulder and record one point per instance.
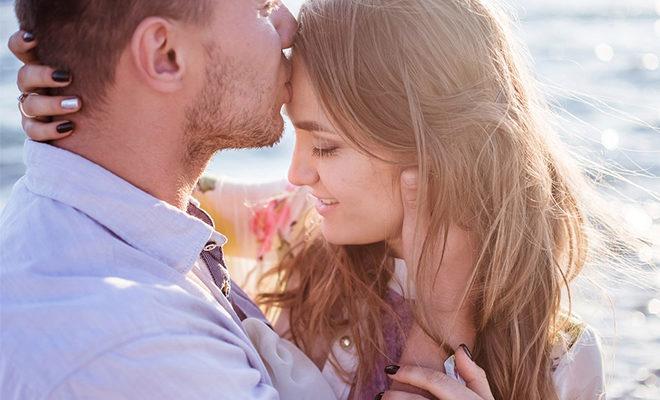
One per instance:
(62, 269)
(103, 303)
(42, 237)
(53, 334)
(76, 298)
(30, 215)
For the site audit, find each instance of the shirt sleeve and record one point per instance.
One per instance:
(167, 367)
(580, 373)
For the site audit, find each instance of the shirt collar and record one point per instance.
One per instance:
(150, 225)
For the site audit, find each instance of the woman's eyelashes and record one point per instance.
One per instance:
(324, 151)
(322, 147)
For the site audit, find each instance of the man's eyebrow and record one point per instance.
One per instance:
(312, 126)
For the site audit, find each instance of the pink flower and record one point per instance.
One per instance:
(267, 221)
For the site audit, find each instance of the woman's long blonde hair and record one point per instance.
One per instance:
(440, 84)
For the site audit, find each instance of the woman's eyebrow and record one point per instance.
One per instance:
(312, 126)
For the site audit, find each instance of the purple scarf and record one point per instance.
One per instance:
(394, 341)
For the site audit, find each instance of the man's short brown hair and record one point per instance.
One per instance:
(87, 37)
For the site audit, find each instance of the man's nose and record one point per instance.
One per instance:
(285, 24)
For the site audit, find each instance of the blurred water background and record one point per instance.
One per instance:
(599, 63)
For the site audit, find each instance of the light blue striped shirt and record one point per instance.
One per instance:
(96, 297)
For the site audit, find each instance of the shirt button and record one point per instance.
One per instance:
(226, 287)
(345, 342)
(210, 246)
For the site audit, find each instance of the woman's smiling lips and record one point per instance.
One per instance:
(325, 205)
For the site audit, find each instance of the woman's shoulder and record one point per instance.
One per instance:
(578, 363)
(580, 343)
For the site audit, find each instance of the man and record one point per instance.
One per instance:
(113, 282)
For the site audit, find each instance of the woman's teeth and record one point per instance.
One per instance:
(328, 202)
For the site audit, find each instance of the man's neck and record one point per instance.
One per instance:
(148, 157)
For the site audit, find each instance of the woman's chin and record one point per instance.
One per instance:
(344, 237)
(332, 236)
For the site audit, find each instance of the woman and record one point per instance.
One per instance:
(437, 86)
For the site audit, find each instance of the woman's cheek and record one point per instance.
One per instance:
(338, 176)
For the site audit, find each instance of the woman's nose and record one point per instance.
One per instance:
(302, 171)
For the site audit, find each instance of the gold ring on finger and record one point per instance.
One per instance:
(21, 100)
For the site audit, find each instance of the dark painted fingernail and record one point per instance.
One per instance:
(379, 396)
(65, 127)
(28, 37)
(391, 369)
(466, 350)
(61, 76)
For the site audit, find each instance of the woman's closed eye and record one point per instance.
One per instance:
(326, 151)
(323, 147)
(322, 142)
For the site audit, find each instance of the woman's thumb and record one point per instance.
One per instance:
(473, 375)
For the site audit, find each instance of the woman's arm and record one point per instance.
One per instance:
(260, 220)
(232, 204)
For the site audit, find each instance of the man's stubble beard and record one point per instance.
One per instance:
(214, 122)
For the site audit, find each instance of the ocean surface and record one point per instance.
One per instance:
(598, 62)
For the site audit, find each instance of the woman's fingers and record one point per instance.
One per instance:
(22, 44)
(44, 131)
(36, 106)
(32, 77)
(435, 382)
(473, 375)
(48, 106)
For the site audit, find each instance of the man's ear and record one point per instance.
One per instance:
(158, 54)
